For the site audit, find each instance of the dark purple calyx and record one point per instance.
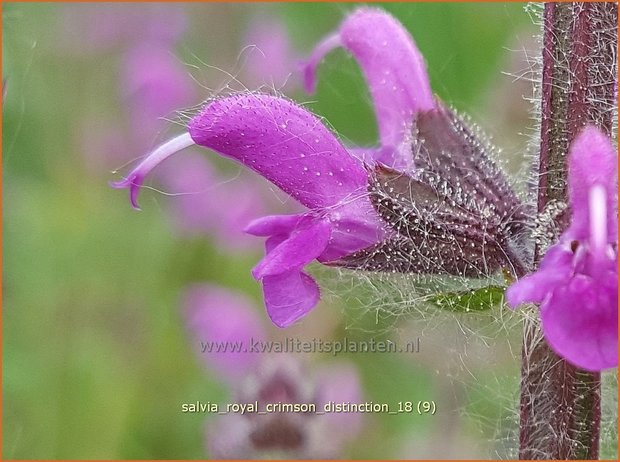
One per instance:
(455, 215)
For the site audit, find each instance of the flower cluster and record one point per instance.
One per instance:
(428, 185)
(427, 199)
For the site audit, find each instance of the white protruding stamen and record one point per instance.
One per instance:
(598, 216)
(164, 151)
(136, 177)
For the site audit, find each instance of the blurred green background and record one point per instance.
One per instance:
(96, 360)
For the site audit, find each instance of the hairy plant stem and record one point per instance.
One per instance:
(560, 403)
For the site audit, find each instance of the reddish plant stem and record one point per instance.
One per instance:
(560, 404)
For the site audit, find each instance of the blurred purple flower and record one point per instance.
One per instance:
(339, 383)
(271, 60)
(216, 316)
(294, 150)
(289, 434)
(154, 85)
(203, 202)
(577, 282)
(103, 144)
(91, 28)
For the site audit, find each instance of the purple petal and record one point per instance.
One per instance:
(284, 143)
(555, 269)
(289, 296)
(592, 161)
(580, 322)
(215, 316)
(395, 73)
(353, 227)
(274, 241)
(302, 246)
(273, 224)
(133, 182)
(329, 43)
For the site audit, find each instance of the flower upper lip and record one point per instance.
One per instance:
(395, 73)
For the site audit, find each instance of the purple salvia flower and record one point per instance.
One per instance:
(577, 282)
(453, 214)
(294, 150)
(395, 73)
(434, 182)
(452, 208)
